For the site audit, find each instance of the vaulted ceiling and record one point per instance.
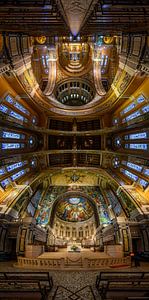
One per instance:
(74, 85)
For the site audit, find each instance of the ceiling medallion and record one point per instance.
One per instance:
(41, 39)
(74, 178)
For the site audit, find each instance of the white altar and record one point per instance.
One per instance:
(74, 247)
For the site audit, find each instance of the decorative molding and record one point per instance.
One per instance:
(76, 13)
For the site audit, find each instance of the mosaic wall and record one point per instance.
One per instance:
(74, 209)
(43, 212)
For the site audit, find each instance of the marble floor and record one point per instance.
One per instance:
(73, 285)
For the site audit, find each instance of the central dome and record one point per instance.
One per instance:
(75, 92)
(74, 209)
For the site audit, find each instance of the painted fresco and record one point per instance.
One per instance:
(74, 209)
(127, 203)
(113, 201)
(102, 207)
(44, 207)
(32, 206)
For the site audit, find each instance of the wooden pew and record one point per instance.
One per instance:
(25, 282)
(114, 282)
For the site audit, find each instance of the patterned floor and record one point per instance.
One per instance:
(74, 285)
(61, 293)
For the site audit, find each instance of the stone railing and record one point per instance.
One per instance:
(40, 263)
(61, 263)
(105, 262)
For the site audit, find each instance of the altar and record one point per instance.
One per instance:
(74, 247)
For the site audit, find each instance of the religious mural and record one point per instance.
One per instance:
(69, 211)
(127, 203)
(32, 206)
(45, 206)
(74, 209)
(96, 194)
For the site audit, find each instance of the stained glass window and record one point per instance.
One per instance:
(3, 108)
(143, 182)
(19, 174)
(16, 115)
(135, 136)
(128, 108)
(15, 166)
(129, 174)
(134, 166)
(5, 182)
(146, 172)
(20, 107)
(9, 99)
(137, 146)
(140, 99)
(133, 116)
(12, 145)
(12, 135)
(132, 105)
(145, 109)
(2, 171)
(102, 60)
(12, 113)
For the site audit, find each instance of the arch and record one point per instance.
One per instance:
(89, 199)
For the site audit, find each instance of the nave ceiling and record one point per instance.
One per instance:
(75, 94)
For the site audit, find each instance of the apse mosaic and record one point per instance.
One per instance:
(74, 209)
(96, 194)
(45, 206)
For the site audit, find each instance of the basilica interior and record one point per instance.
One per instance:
(74, 135)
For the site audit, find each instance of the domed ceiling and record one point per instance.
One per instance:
(74, 76)
(74, 209)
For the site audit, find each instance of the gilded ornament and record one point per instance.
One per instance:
(108, 40)
(41, 39)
